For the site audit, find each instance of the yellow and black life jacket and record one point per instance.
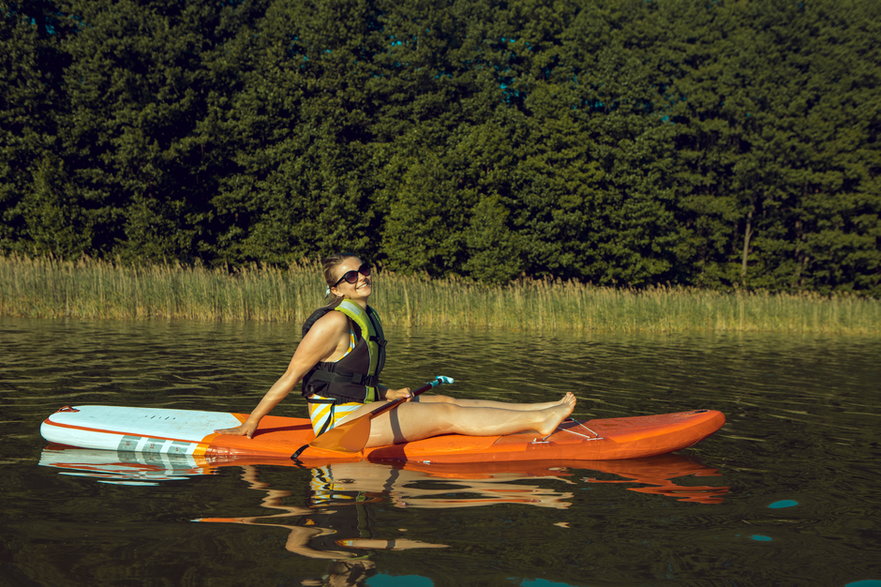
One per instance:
(355, 377)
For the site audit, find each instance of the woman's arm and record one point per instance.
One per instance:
(319, 344)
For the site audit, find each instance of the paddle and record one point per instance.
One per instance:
(351, 436)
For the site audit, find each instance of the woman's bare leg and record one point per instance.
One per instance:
(414, 421)
(487, 403)
(467, 403)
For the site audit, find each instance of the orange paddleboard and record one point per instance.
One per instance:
(191, 432)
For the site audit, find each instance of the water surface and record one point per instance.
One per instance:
(785, 493)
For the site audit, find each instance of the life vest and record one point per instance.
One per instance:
(355, 377)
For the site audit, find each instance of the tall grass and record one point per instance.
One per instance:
(98, 289)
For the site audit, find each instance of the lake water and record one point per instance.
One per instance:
(785, 493)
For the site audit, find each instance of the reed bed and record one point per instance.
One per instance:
(95, 289)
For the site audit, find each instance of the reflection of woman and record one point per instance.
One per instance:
(339, 361)
(309, 537)
(349, 573)
(314, 531)
(336, 484)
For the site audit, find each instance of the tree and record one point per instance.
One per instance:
(31, 63)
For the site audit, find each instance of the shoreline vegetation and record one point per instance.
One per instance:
(94, 289)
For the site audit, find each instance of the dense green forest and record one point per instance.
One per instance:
(729, 143)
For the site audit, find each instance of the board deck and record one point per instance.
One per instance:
(192, 432)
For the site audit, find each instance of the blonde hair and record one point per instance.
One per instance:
(328, 264)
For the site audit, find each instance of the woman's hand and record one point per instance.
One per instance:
(394, 394)
(246, 429)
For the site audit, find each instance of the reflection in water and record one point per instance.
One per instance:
(332, 512)
(658, 475)
(408, 484)
(119, 468)
(334, 523)
(404, 485)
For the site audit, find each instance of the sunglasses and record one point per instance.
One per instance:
(352, 276)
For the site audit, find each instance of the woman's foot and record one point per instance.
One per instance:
(553, 416)
(568, 398)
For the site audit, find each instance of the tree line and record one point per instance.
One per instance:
(716, 143)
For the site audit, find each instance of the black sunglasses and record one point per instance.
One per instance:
(352, 276)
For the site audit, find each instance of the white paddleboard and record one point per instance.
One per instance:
(155, 430)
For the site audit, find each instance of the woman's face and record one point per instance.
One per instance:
(360, 290)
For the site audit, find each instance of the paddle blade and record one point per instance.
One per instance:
(353, 435)
(348, 437)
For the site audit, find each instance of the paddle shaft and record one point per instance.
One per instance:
(386, 407)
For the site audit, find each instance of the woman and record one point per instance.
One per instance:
(340, 357)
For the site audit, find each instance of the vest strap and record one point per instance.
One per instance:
(341, 373)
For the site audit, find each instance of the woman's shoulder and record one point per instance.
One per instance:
(325, 315)
(331, 321)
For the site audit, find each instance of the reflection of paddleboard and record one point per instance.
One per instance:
(464, 484)
(189, 432)
(122, 468)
